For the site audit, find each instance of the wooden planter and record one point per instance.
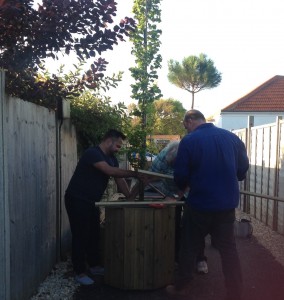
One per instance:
(139, 247)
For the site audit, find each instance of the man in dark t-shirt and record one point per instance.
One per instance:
(86, 187)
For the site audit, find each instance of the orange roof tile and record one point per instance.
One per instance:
(268, 97)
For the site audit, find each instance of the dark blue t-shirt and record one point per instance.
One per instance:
(89, 183)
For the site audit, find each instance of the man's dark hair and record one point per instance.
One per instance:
(113, 133)
(194, 114)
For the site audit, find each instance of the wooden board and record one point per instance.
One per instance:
(138, 203)
(155, 174)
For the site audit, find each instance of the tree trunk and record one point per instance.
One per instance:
(192, 100)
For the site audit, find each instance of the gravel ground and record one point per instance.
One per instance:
(271, 240)
(60, 285)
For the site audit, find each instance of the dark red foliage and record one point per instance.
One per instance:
(28, 35)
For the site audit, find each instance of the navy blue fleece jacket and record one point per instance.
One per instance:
(211, 161)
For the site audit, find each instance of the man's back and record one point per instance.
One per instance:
(210, 161)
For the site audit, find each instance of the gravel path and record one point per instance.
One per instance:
(271, 240)
(60, 285)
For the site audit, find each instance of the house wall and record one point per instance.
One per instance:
(233, 121)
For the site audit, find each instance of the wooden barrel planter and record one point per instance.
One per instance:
(139, 247)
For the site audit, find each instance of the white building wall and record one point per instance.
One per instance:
(233, 121)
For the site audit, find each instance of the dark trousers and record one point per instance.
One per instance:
(195, 226)
(178, 216)
(84, 221)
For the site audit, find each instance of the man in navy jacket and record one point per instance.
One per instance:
(210, 161)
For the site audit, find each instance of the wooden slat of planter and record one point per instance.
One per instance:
(164, 235)
(114, 257)
(170, 241)
(159, 249)
(148, 279)
(139, 248)
(129, 249)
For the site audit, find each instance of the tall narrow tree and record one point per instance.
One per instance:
(194, 74)
(146, 43)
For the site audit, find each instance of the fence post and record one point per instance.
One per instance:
(246, 207)
(276, 181)
(4, 205)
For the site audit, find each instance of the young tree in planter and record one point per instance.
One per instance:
(28, 36)
(146, 43)
(194, 74)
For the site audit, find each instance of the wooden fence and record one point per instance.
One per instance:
(37, 156)
(262, 194)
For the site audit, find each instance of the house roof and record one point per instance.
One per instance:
(268, 97)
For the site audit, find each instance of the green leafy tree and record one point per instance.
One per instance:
(29, 35)
(91, 112)
(146, 43)
(194, 74)
(168, 117)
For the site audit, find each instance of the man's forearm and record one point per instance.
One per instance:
(121, 173)
(123, 187)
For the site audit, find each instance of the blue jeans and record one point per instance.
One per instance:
(220, 225)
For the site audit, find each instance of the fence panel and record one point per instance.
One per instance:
(266, 174)
(32, 194)
(281, 180)
(40, 159)
(68, 143)
(242, 134)
(4, 202)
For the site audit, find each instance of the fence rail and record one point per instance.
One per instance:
(262, 196)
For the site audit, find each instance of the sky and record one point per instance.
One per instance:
(244, 38)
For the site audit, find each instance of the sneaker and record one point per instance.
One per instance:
(84, 280)
(173, 291)
(202, 267)
(97, 270)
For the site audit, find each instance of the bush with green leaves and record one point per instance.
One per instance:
(93, 116)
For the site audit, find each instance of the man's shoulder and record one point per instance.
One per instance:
(92, 154)
(92, 151)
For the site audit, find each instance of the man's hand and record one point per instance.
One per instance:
(145, 179)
